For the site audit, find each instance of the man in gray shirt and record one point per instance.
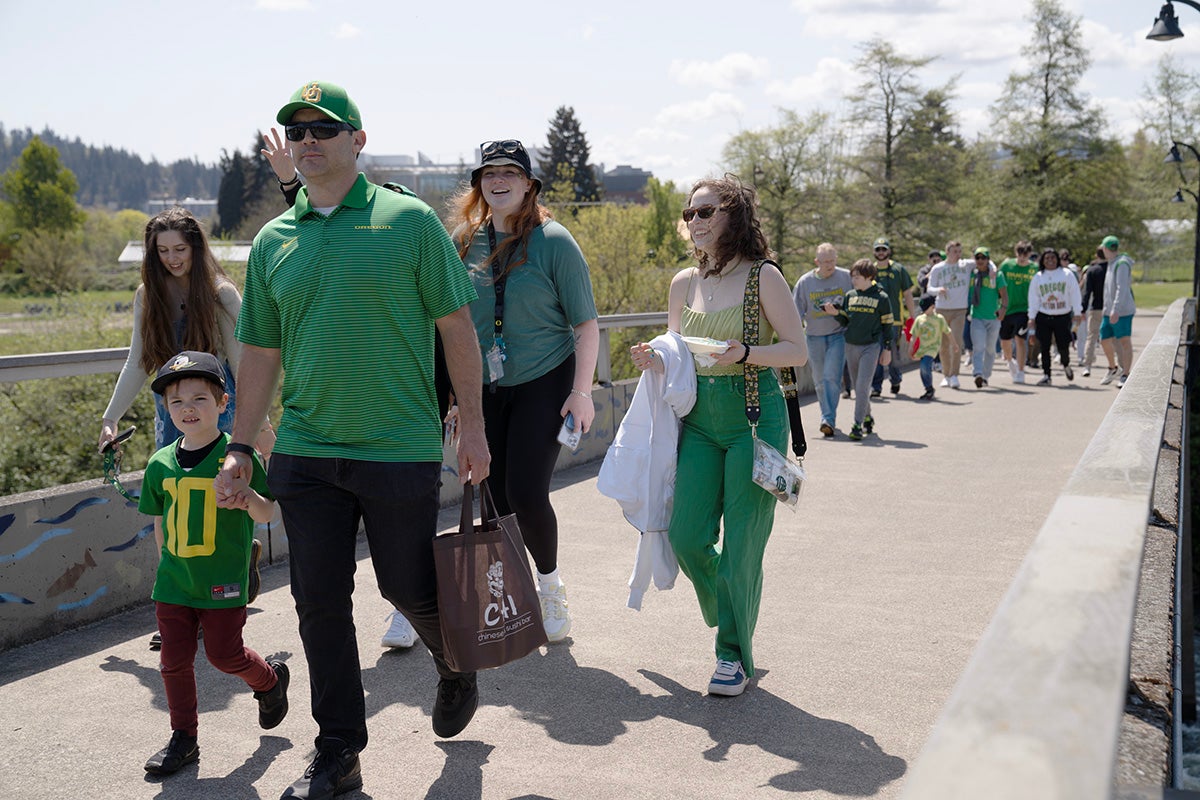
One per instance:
(826, 337)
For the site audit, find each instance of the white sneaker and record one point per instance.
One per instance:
(1013, 369)
(400, 632)
(945, 382)
(729, 680)
(1121, 381)
(1109, 376)
(555, 616)
(1020, 377)
(954, 382)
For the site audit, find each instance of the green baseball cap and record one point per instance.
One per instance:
(327, 98)
(983, 251)
(1111, 242)
(882, 242)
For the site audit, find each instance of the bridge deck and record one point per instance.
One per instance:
(876, 591)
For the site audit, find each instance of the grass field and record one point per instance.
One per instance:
(1160, 295)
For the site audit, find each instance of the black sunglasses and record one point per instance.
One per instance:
(703, 212)
(321, 129)
(508, 146)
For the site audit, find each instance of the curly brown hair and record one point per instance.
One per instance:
(200, 330)
(743, 236)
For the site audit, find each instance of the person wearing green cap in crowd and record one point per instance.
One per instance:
(988, 297)
(1119, 307)
(897, 284)
(343, 294)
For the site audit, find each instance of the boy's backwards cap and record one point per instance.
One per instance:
(188, 364)
(327, 98)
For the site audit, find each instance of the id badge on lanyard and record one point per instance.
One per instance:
(496, 356)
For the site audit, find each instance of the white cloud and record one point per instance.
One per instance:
(828, 82)
(346, 31)
(728, 72)
(682, 115)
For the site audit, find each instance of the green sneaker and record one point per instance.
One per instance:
(869, 424)
(856, 433)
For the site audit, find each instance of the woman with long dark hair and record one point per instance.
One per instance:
(1053, 306)
(185, 302)
(713, 486)
(537, 325)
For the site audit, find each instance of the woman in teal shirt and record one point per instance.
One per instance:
(538, 331)
(716, 447)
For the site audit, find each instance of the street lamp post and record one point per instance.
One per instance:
(1166, 24)
(1176, 158)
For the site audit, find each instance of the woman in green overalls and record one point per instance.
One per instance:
(716, 450)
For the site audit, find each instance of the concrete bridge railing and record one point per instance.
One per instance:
(1037, 712)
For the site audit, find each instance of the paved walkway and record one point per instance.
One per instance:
(876, 591)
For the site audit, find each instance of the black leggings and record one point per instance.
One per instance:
(522, 424)
(1058, 326)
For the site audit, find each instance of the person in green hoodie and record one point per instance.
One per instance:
(867, 315)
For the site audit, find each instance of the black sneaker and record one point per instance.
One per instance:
(334, 771)
(1070, 372)
(179, 752)
(895, 388)
(868, 424)
(928, 394)
(856, 433)
(255, 581)
(156, 641)
(876, 393)
(978, 381)
(457, 699)
(273, 703)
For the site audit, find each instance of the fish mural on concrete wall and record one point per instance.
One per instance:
(66, 582)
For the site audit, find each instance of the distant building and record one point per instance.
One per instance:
(625, 184)
(225, 252)
(421, 175)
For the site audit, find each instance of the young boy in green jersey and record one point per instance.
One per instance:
(204, 557)
(867, 315)
(928, 328)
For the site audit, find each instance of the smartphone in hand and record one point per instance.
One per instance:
(568, 435)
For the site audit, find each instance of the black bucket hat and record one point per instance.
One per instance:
(504, 151)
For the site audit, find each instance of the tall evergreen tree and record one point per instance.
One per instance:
(1057, 154)
(884, 109)
(566, 158)
(231, 196)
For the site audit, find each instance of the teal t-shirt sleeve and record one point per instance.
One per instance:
(571, 277)
(443, 281)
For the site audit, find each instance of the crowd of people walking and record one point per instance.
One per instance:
(1029, 310)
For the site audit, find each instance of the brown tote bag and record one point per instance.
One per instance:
(487, 599)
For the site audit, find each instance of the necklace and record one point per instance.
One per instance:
(713, 289)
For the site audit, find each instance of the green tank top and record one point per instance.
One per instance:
(723, 324)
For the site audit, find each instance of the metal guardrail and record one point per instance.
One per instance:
(1037, 712)
(93, 362)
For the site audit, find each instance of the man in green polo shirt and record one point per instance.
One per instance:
(343, 293)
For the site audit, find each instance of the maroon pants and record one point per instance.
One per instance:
(222, 644)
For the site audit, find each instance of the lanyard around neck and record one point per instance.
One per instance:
(499, 278)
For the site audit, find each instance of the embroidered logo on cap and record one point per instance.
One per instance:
(311, 93)
(181, 362)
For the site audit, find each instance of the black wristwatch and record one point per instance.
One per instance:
(237, 447)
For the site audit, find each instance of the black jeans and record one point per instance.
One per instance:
(522, 424)
(323, 500)
(1057, 326)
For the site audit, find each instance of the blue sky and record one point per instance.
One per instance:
(660, 85)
